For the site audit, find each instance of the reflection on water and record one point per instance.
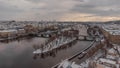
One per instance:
(17, 39)
(53, 52)
(14, 52)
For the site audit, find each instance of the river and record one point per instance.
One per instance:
(18, 53)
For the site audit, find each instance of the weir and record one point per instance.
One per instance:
(85, 38)
(72, 57)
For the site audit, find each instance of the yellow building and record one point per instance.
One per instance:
(30, 29)
(112, 35)
(8, 33)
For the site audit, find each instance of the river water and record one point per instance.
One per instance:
(19, 53)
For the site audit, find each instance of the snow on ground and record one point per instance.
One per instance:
(67, 64)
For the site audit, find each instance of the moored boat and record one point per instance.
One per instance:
(82, 55)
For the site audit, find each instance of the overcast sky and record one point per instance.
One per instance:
(60, 10)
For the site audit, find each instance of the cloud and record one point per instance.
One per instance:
(87, 17)
(7, 10)
(52, 10)
(55, 9)
(98, 7)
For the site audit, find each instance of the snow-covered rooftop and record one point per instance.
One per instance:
(107, 61)
(67, 64)
(111, 51)
(113, 29)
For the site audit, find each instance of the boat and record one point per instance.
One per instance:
(82, 55)
(58, 42)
